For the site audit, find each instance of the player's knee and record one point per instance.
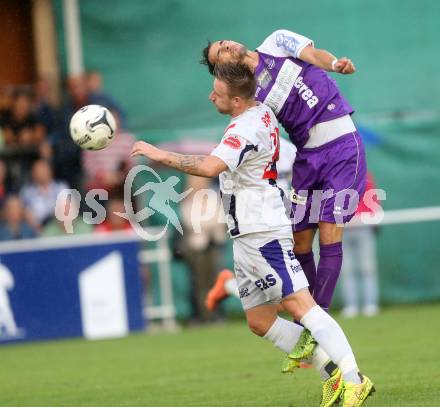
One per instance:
(299, 304)
(330, 233)
(302, 248)
(303, 241)
(295, 310)
(258, 327)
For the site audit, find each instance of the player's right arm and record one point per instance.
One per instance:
(200, 165)
(326, 60)
(285, 43)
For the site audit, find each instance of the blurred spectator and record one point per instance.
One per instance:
(24, 139)
(3, 185)
(359, 276)
(112, 221)
(20, 125)
(64, 206)
(202, 249)
(44, 112)
(67, 155)
(41, 194)
(14, 225)
(5, 107)
(94, 82)
(99, 97)
(107, 168)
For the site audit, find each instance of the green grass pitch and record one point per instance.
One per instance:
(221, 366)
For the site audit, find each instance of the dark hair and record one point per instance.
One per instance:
(239, 78)
(205, 59)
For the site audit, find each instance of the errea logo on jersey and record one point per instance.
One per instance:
(270, 63)
(305, 92)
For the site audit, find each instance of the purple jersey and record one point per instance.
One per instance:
(300, 94)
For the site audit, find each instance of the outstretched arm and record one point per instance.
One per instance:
(201, 165)
(325, 60)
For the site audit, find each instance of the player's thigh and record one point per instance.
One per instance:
(343, 179)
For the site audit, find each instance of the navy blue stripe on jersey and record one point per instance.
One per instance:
(286, 201)
(249, 147)
(229, 204)
(232, 211)
(273, 254)
(274, 184)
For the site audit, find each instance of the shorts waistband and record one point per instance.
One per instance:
(323, 133)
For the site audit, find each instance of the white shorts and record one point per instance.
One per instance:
(266, 268)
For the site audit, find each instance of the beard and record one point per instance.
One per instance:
(242, 52)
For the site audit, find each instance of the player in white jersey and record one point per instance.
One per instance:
(265, 266)
(226, 284)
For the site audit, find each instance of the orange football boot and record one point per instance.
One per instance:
(217, 293)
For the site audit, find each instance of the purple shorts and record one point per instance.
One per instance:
(328, 182)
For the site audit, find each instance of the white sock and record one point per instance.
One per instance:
(284, 334)
(333, 341)
(231, 287)
(319, 361)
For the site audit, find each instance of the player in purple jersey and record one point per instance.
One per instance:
(330, 165)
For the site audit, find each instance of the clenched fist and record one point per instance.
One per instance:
(344, 66)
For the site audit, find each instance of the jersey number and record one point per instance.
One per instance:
(270, 172)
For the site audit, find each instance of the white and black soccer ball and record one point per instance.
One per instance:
(92, 127)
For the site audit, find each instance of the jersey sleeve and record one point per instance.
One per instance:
(233, 149)
(284, 43)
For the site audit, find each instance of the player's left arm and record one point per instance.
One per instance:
(326, 60)
(201, 165)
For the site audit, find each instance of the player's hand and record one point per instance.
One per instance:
(344, 66)
(147, 150)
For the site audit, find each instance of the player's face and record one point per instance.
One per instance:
(220, 97)
(226, 51)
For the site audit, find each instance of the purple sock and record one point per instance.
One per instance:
(329, 267)
(307, 262)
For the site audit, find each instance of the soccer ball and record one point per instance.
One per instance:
(92, 127)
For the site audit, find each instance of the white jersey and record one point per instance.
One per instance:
(252, 200)
(285, 164)
(284, 43)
